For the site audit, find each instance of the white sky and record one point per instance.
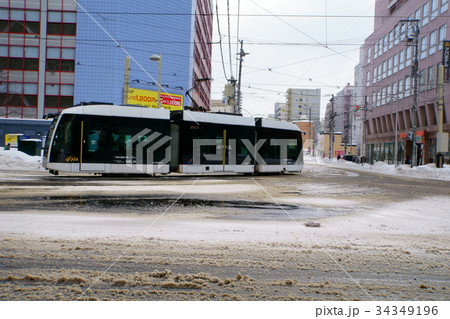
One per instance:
(291, 44)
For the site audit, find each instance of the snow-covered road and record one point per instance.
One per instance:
(224, 237)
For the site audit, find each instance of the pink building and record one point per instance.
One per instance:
(388, 86)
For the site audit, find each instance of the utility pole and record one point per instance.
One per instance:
(413, 25)
(332, 115)
(242, 54)
(352, 114)
(126, 82)
(396, 137)
(309, 133)
(364, 131)
(442, 138)
(230, 93)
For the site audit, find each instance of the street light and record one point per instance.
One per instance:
(157, 58)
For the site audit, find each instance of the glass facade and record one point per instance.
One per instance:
(106, 35)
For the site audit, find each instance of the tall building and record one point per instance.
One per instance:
(55, 53)
(37, 56)
(280, 111)
(389, 79)
(303, 102)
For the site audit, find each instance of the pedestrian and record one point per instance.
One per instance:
(408, 160)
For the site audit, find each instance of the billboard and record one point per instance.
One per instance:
(147, 98)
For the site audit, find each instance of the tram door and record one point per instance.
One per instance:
(237, 143)
(95, 145)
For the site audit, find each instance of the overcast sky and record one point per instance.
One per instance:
(290, 44)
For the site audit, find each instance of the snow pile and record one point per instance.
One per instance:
(16, 160)
(424, 171)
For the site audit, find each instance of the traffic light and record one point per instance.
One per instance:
(356, 108)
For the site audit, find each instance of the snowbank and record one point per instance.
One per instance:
(16, 160)
(428, 171)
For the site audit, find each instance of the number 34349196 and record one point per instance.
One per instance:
(407, 310)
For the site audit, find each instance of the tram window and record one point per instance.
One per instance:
(97, 140)
(65, 147)
(293, 150)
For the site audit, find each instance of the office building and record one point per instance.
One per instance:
(55, 53)
(390, 84)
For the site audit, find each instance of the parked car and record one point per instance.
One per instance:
(350, 158)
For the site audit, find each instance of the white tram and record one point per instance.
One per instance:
(112, 139)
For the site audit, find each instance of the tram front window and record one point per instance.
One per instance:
(66, 142)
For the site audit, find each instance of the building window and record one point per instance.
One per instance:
(434, 9)
(400, 89)
(380, 47)
(396, 34)
(395, 66)
(394, 91)
(431, 79)
(375, 75)
(388, 94)
(401, 60)
(391, 39)
(56, 28)
(19, 64)
(32, 52)
(402, 31)
(389, 67)
(55, 65)
(19, 27)
(444, 5)
(408, 56)
(426, 12)
(417, 14)
(30, 88)
(368, 79)
(369, 55)
(384, 69)
(375, 51)
(58, 101)
(442, 35)
(432, 47)
(385, 43)
(423, 47)
(407, 86)
(379, 72)
(422, 80)
(33, 15)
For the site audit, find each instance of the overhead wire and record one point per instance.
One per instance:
(237, 32)
(229, 37)
(220, 41)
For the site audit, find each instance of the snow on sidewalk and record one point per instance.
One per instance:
(16, 160)
(428, 171)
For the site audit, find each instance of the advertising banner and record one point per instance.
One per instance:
(147, 98)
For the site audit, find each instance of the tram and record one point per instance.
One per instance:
(113, 139)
